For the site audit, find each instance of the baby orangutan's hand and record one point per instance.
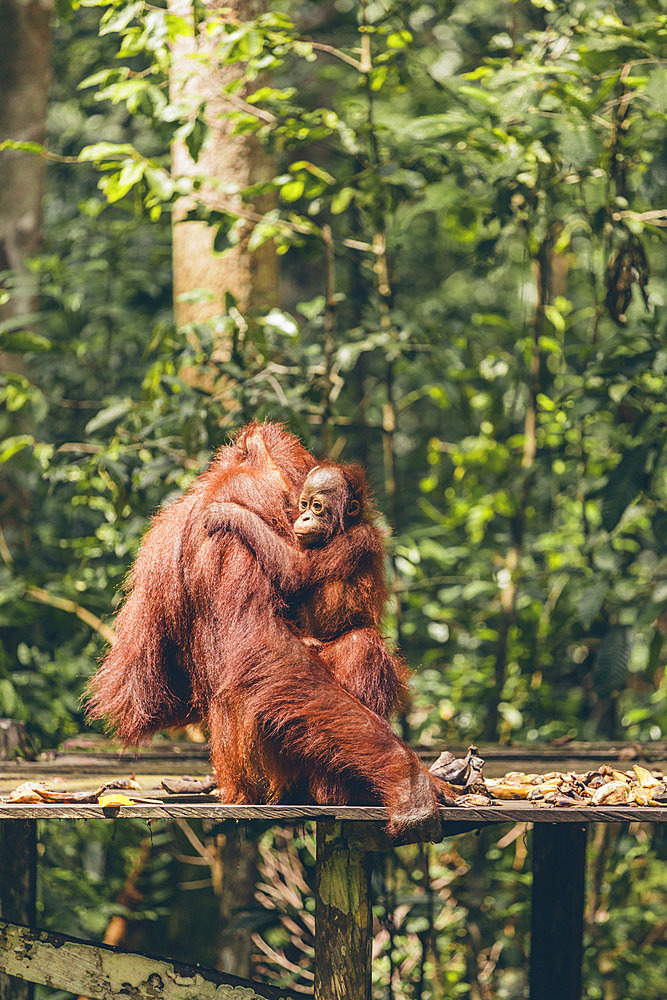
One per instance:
(220, 516)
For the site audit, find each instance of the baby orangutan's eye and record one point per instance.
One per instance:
(303, 504)
(318, 506)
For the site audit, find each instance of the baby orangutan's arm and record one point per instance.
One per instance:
(293, 568)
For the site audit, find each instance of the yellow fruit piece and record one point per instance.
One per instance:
(114, 799)
(506, 791)
(644, 777)
(612, 794)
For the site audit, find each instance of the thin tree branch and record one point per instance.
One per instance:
(333, 51)
(65, 604)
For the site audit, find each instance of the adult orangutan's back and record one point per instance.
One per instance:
(185, 590)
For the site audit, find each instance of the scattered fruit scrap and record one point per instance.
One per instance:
(189, 786)
(105, 796)
(604, 786)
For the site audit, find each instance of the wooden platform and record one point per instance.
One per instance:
(83, 764)
(347, 837)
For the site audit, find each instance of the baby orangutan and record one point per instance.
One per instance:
(330, 579)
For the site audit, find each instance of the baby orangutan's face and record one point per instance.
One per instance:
(324, 501)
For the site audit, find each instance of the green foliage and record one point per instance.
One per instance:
(480, 192)
(611, 662)
(467, 203)
(623, 485)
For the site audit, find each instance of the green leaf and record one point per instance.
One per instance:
(177, 25)
(14, 323)
(304, 50)
(341, 200)
(103, 76)
(378, 76)
(477, 94)
(282, 323)
(225, 234)
(611, 662)
(398, 39)
(292, 191)
(313, 308)
(118, 185)
(623, 485)
(106, 151)
(589, 602)
(13, 445)
(25, 340)
(443, 126)
(262, 233)
(194, 139)
(555, 318)
(110, 415)
(118, 18)
(23, 147)
(197, 295)
(313, 169)
(161, 183)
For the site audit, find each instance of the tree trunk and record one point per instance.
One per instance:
(232, 162)
(237, 854)
(25, 49)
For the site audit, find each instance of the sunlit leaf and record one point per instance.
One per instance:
(623, 485)
(611, 662)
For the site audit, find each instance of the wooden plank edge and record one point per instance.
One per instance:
(103, 972)
(501, 813)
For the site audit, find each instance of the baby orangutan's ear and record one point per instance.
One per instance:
(353, 508)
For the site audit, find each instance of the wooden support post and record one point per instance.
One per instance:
(559, 870)
(342, 916)
(18, 866)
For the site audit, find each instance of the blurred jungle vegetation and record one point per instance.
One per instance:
(468, 204)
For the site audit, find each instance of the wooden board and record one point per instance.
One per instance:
(506, 812)
(102, 972)
(99, 758)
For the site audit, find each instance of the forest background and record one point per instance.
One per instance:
(467, 204)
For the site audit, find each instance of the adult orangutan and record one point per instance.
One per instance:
(202, 634)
